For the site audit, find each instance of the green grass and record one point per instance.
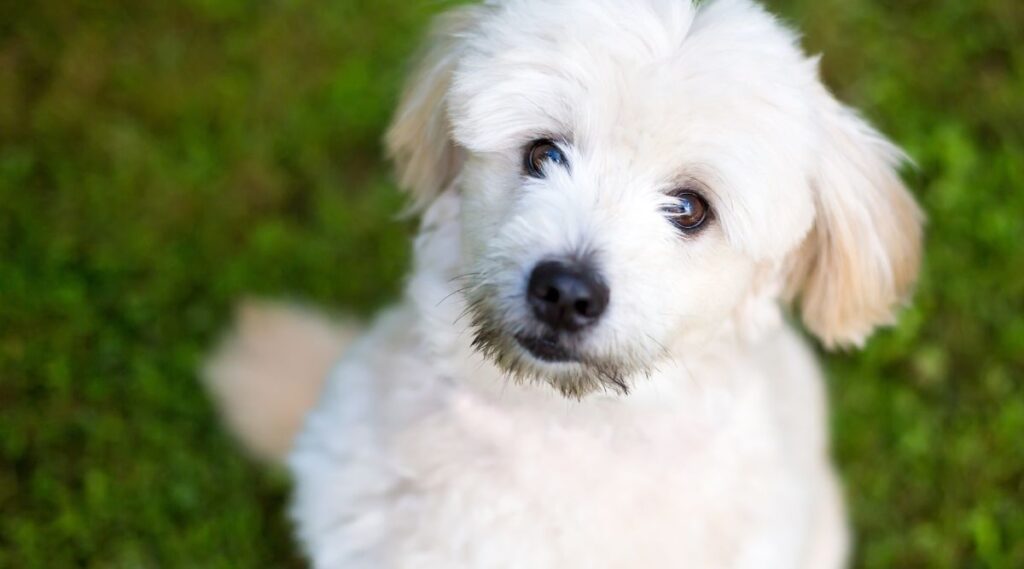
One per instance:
(158, 162)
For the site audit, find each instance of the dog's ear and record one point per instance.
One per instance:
(419, 140)
(860, 261)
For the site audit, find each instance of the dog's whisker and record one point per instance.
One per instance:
(689, 372)
(453, 293)
(466, 276)
(665, 352)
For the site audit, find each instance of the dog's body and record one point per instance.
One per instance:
(421, 454)
(683, 182)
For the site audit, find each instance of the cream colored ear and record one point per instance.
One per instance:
(860, 261)
(419, 138)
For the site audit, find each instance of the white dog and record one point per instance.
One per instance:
(590, 367)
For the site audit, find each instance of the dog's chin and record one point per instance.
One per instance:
(551, 360)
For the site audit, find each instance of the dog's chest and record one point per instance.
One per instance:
(708, 484)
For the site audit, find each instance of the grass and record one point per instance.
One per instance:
(158, 162)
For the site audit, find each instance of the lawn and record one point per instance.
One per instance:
(159, 162)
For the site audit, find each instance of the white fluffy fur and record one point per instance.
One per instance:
(425, 452)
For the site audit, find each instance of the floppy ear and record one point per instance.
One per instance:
(860, 261)
(419, 138)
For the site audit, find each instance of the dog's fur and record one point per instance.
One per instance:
(690, 431)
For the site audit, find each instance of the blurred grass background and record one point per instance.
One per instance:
(160, 160)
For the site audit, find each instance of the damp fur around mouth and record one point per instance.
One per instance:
(585, 377)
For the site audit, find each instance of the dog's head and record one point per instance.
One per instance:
(635, 175)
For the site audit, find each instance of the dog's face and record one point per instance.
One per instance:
(635, 175)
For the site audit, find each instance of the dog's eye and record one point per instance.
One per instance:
(540, 154)
(688, 212)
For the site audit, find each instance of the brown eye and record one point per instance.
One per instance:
(540, 154)
(688, 212)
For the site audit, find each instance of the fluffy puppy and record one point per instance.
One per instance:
(590, 368)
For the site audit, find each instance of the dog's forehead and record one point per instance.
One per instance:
(636, 73)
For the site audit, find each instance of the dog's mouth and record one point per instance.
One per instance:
(547, 349)
(541, 355)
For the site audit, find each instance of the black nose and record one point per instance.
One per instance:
(565, 296)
